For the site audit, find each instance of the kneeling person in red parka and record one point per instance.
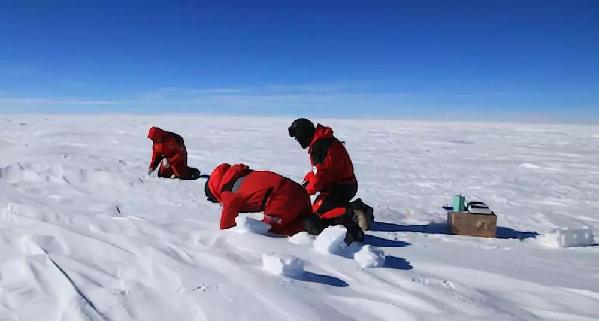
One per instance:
(240, 189)
(169, 151)
(332, 177)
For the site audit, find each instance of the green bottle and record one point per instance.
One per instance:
(458, 203)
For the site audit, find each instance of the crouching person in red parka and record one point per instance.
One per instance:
(169, 152)
(240, 189)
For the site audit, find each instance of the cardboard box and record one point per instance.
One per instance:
(466, 223)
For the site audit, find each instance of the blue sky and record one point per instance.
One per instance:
(505, 60)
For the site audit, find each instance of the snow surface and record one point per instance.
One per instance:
(568, 237)
(85, 235)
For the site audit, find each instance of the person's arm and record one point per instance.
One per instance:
(232, 203)
(307, 178)
(321, 159)
(157, 156)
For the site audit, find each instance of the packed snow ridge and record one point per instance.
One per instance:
(568, 237)
(285, 265)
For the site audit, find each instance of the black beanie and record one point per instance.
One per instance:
(209, 196)
(302, 130)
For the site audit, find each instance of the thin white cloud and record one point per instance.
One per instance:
(28, 102)
(333, 99)
(220, 91)
(272, 99)
(45, 104)
(269, 90)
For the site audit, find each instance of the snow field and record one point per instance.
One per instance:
(86, 235)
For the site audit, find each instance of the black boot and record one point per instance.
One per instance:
(193, 175)
(354, 232)
(363, 214)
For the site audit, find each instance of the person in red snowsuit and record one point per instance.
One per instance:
(332, 176)
(168, 151)
(239, 189)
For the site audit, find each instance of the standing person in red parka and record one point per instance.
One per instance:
(332, 176)
(239, 189)
(169, 151)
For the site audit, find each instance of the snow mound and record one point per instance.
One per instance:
(302, 238)
(57, 173)
(529, 165)
(18, 173)
(249, 225)
(369, 256)
(96, 177)
(330, 240)
(568, 237)
(284, 265)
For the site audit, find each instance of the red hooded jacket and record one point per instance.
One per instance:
(242, 190)
(330, 162)
(168, 145)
